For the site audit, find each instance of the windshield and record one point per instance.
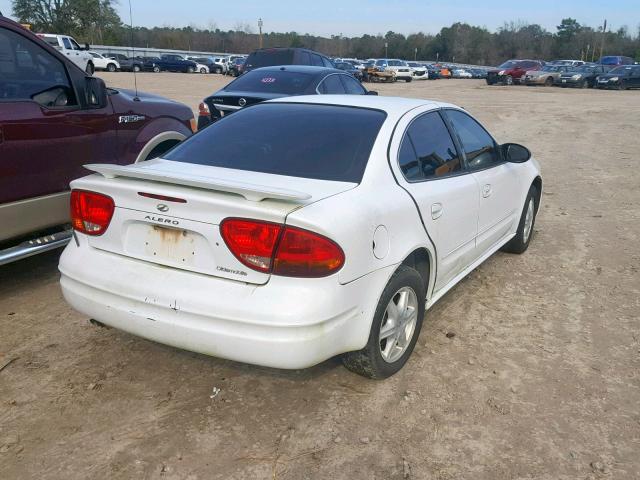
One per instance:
(268, 58)
(585, 69)
(271, 81)
(324, 142)
(509, 64)
(621, 71)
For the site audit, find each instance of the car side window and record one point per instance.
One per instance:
(67, 43)
(351, 85)
(327, 63)
(427, 150)
(316, 60)
(479, 148)
(305, 59)
(332, 85)
(28, 72)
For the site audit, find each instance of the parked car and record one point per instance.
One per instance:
(171, 63)
(445, 71)
(269, 57)
(301, 229)
(461, 73)
(207, 62)
(55, 118)
(433, 72)
(221, 65)
(70, 48)
(620, 78)
(350, 69)
(583, 76)
(547, 76)
(418, 71)
(201, 68)
(104, 63)
(276, 82)
(127, 64)
(616, 60)
(567, 63)
(237, 67)
(478, 73)
(512, 71)
(400, 68)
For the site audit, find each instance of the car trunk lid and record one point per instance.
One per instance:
(169, 213)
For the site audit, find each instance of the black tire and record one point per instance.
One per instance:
(548, 82)
(408, 80)
(369, 362)
(508, 80)
(584, 84)
(90, 68)
(519, 243)
(111, 67)
(156, 69)
(203, 70)
(136, 68)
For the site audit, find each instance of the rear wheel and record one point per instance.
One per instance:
(585, 83)
(111, 67)
(408, 79)
(395, 328)
(548, 82)
(156, 69)
(203, 70)
(136, 68)
(520, 242)
(508, 80)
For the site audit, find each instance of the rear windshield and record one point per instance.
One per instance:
(272, 81)
(323, 142)
(270, 58)
(609, 60)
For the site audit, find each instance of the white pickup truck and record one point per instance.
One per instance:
(69, 47)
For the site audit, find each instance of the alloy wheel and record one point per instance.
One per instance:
(398, 324)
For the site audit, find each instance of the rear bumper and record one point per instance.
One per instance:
(287, 323)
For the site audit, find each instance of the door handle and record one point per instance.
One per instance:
(486, 190)
(436, 211)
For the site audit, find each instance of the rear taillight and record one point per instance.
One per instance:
(281, 249)
(91, 212)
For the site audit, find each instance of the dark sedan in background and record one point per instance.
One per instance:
(620, 78)
(276, 82)
(127, 64)
(583, 76)
(349, 68)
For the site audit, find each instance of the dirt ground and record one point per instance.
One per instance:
(540, 380)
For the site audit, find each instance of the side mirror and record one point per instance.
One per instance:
(515, 153)
(96, 92)
(372, 92)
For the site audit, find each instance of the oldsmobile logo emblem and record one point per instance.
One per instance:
(162, 207)
(242, 102)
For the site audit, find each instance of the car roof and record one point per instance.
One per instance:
(298, 69)
(393, 106)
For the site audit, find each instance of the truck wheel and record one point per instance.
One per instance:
(136, 68)
(156, 69)
(111, 67)
(395, 327)
(89, 68)
(190, 70)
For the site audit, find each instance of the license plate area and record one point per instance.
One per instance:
(172, 245)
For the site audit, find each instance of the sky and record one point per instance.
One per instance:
(357, 17)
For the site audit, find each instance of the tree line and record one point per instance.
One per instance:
(96, 21)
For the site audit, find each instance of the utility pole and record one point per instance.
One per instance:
(437, 57)
(260, 30)
(386, 45)
(415, 54)
(340, 45)
(604, 32)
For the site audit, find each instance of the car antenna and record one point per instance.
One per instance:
(133, 70)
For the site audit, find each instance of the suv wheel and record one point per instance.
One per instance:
(508, 80)
(136, 68)
(408, 79)
(111, 67)
(156, 69)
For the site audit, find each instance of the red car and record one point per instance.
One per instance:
(54, 118)
(512, 71)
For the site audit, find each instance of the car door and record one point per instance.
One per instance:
(634, 79)
(498, 181)
(431, 169)
(44, 146)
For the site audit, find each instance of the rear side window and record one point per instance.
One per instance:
(427, 150)
(273, 81)
(269, 58)
(352, 86)
(316, 60)
(324, 142)
(331, 85)
(479, 148)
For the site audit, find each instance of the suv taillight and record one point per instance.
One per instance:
(91, 212)
(281, 249)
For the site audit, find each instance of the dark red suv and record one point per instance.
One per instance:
(512, 71)
(54, 118)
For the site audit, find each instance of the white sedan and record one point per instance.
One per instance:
(299, 229)
(100, 62)
(201, 68)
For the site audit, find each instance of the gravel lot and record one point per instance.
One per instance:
(539, 380)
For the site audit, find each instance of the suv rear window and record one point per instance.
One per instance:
(324, 142)
(269, 58)
(273, 81)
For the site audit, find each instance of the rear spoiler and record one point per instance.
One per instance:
(254, 193)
